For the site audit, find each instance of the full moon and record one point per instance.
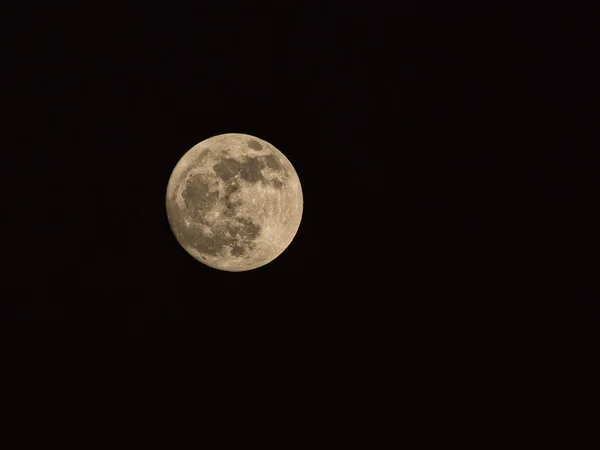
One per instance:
(234, 202)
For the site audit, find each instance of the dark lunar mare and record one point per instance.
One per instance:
(271, 161)
(255, 145)
(227, 168)
(197, 197)
(249, 169)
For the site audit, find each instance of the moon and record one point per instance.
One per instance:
(234, 202)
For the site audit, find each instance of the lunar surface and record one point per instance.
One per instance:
(234, 202)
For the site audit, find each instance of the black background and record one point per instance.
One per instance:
(489, 191)
(462, 240)
(105, 101)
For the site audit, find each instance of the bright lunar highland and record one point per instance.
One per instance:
(234, 202)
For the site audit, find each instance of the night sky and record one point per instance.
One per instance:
(448, 231)
(106, 101)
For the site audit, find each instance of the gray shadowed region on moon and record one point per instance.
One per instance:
(234, 202)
